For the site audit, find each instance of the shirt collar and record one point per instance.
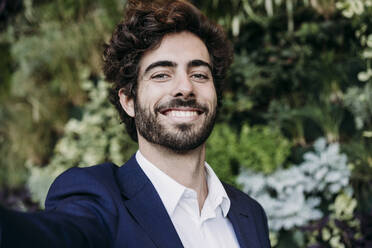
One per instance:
(216, 192)
(170, 191)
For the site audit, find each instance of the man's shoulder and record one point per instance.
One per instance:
(100, 172)
(98, 181)
(107, 169)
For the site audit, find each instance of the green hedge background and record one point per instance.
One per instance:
(294, 131)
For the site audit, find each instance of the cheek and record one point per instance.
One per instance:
(149, 96)
(209, 93)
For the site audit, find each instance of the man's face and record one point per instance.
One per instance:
(176, 98)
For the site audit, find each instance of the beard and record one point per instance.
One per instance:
(182, 137)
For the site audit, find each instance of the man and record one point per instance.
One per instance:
(166, 62)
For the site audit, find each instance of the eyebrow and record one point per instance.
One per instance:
(198, 62)
(161, 63)
(167, 63)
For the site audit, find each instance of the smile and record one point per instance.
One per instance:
(177, 113)
(182, 114)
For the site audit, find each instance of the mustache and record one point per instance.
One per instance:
(175, 103)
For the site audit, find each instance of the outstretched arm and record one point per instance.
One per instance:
(79, 213)
(49, 229)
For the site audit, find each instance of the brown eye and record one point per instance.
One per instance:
(160, 77)
(199, 77)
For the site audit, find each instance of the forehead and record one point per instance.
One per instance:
(180, 48)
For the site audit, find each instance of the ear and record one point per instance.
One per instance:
(127, 103)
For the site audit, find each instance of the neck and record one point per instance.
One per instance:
(185, 168)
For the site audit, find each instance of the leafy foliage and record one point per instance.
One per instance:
(45, 47)
(95, 138)
(291, 195)
(302, 71)
(340, 228)
(258, 148)
(359, 102)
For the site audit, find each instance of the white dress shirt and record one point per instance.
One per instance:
(209, 228)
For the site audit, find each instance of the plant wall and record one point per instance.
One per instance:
(294, 130)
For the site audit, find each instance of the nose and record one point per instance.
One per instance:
(183, 87)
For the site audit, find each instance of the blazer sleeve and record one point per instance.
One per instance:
(75, 216)
(49, 229)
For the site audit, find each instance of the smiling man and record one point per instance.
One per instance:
(166, 62)
(176, 99)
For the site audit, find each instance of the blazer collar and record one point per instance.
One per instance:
(144, 203)
(242, 221)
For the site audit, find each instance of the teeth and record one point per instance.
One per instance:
(174, 113)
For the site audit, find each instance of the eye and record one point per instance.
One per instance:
(200, 77)
(160, 77)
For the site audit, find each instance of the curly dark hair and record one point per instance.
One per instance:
(144, 26)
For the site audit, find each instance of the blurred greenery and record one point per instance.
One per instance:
(302, 70)
(45, 48)
(259, 148)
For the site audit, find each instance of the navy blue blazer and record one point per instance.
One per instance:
(110, 206)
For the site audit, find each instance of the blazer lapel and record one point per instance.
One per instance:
(144, 203)
(243, 223)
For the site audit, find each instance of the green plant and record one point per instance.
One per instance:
(44, 48)
(95, 138)
(359, 102)
(259, 148)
